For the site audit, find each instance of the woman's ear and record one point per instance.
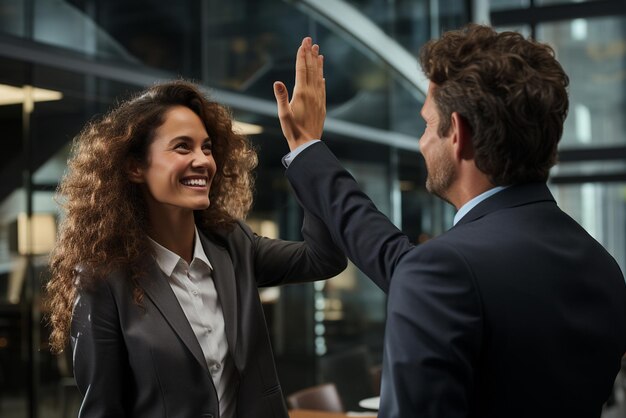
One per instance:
(134, 171)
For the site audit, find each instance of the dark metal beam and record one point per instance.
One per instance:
(593, 154)
(535, 15)
(590, 178)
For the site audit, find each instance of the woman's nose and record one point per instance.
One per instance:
(200, 159)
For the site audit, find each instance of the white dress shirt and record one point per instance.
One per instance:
(194, 288)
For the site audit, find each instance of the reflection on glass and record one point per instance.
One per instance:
(522, 29)
(12, 17)
(508, 4)
(601, 210)
(61, 24)
(593, 53)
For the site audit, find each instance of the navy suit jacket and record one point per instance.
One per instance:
(514, 312)
(146, 362)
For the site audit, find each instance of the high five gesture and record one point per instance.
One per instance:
(302, 118)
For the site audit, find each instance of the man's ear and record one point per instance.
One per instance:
(134, 170)
(462, 137)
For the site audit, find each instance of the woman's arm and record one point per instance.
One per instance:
(99, 354)
(280, 262)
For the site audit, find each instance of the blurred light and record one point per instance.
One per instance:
(583, 123)
(37, 236)
(269, 294)
(244, 128)
(579, 29)
(589, 200)
(10, 95)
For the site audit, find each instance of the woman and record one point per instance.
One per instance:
(155, 277)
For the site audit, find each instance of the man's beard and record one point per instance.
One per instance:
(441, 174)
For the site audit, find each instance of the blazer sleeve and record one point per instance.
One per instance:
(99, 353)
(330, 193)
(433, 336)
(280, 262)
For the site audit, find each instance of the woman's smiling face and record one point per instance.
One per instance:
(179, 165)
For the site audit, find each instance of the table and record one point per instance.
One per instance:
(305, 413)
(370, 403)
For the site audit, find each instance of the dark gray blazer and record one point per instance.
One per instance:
(514, 312)
(145, 361)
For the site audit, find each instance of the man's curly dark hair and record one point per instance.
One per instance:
(512, 93)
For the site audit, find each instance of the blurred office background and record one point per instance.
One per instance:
(64, 61)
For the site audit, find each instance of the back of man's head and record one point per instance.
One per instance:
(512, 93)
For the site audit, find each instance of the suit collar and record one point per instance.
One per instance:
(158, 289)
(226, 286)
(517, 195)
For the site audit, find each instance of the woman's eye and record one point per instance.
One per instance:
(206, 148)
(181, 147)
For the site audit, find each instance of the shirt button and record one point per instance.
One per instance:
(194, 292)
(209, 330)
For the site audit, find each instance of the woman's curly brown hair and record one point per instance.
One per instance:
(105, 216)
(510, 90)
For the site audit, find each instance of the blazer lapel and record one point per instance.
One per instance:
(226, 286)
(158, 289)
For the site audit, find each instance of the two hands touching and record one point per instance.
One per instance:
(302, 118)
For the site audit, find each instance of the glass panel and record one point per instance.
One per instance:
(14, 347)
(582, 168)
(508, 4)
(523, 29)
(63, 24)
(12, 17)
(592, 52)
(601, 210)
(61, 103)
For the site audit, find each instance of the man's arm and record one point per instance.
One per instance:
(433, 336)
(321, 184)
(329, 192)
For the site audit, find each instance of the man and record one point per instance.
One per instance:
(515, 311)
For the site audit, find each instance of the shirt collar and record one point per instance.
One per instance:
(198, 251)
(475, 201)
(168, 260)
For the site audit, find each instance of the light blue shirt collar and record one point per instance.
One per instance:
(475, 201)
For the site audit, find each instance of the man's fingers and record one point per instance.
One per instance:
(320, 69)
(301, 75)
(311, 60)
(282, 97)
(284, 111)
